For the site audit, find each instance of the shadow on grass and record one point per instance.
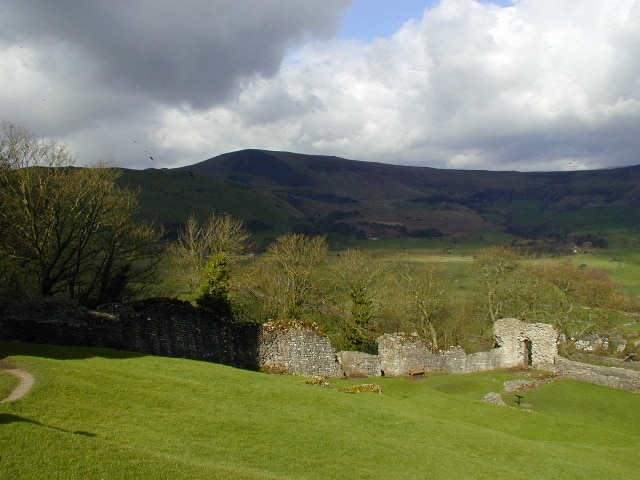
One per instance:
(7, 418)
(61, 352)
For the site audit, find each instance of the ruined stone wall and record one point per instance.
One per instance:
(513, 336)
(158, 327)
(172, 328)
(298, 348)
(460, 362)
(400, 351)
(177, 329)
(608, 376)
(359, 364)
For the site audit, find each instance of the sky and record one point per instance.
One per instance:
(528, 85)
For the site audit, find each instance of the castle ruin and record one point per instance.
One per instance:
(175, 328)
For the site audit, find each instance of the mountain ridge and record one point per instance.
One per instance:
(329, 194)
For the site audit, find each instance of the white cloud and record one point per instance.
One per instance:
(539, 85)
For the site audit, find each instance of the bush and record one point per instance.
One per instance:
(214, 292)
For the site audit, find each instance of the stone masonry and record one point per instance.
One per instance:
(517, 344)
(359, 364)
(294, 347)
(173, 328)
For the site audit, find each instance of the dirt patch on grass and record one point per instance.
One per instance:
(27, 381)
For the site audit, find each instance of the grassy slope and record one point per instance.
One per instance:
(7, 383)
(621, 260)
(172, 196)
(106, 414)
(277, 187)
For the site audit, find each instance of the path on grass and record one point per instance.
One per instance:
(26, 382)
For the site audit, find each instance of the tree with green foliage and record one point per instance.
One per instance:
(356, 272)
(214, 292)
(197, 243)
(68, 231)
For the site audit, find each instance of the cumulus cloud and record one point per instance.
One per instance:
(534, 85)
(539, 85)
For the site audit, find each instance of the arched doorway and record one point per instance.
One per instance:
(527, 352)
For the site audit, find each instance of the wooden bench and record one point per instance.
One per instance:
(417, 370)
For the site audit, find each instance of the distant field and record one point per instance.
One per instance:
(623, 268)
(105, 414)
(621, 260)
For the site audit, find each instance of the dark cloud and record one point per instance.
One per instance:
(173, 52)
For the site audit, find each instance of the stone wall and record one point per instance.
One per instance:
(172, 328)
(615, 377)
(177, 329)
(398, 352)
(517, 344)
(533, 344)
(299, 348)
(359, 364)
(165, 327)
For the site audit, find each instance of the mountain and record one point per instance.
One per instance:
(279, 191)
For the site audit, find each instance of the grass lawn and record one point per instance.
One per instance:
(623, 267)
(7, 383)
(105, 414)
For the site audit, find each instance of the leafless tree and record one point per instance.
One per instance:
(66, 230)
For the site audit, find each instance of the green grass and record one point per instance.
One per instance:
(169, 197)
(622, 266)
(534, 213)
(104, 414)
(7, 383)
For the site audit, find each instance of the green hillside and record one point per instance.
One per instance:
(169, 197)
(281, 191)
(105, 414)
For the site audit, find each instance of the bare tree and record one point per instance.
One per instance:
(427, 301)
(69, 231)
(197, 244)
(295, 257)
(20, 148)
(281, 282)
(492, 268)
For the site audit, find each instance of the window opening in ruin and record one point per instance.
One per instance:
(527, 352)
